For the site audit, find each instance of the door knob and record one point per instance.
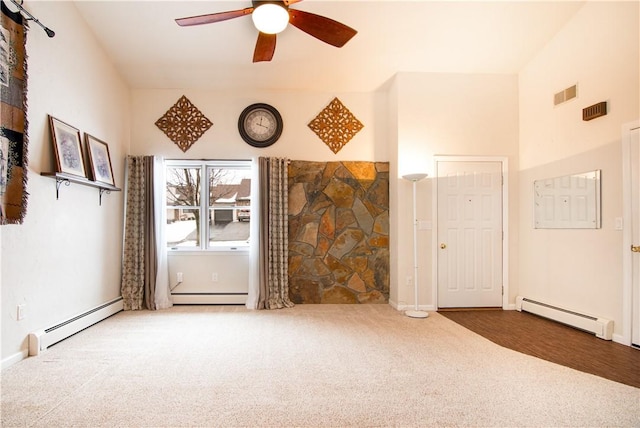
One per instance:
(443, 246)
(635, 248)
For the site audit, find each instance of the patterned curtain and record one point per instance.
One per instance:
(139, 259)
(273, 260)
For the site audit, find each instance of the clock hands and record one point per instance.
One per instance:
(260, 123)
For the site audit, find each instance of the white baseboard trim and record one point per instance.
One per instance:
(15, 358)
(404, 307)
(618, 338)
(428, 308)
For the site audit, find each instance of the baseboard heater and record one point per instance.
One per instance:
(209, 298)
(42, 339)
(601, 327)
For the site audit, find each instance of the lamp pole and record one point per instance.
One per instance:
(416, 313)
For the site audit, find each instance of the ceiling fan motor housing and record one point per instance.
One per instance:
(257, 3)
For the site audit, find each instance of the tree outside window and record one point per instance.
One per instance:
(208, 204)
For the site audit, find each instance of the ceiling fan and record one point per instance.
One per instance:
(265, 17)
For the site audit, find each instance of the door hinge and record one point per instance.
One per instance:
(503, 290)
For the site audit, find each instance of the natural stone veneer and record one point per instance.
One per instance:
(338, 232)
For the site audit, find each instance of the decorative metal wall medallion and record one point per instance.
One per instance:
(184, 124)
(335, 125)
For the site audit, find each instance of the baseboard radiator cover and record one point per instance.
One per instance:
(42, 339)
(209, 298)
(601, 327)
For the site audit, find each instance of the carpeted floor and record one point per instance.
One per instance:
(312, 365)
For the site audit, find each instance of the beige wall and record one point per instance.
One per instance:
(445, 114)
(222, 140)
(232, 269)
(598, 50)
(65, 258)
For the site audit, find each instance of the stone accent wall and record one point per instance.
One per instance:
(339, 232)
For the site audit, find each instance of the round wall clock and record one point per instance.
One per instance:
(260, 125)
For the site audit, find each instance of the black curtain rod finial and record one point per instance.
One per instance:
(30, 17)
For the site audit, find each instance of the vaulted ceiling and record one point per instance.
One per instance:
(151, 51)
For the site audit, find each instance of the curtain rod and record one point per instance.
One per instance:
(30, 17)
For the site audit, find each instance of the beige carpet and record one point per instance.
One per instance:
(313, 365)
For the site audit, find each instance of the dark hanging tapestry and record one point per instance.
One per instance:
(13, 115)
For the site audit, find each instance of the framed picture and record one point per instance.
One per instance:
(67, 147)
(99, 160)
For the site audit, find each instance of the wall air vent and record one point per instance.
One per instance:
(565, 95)
(594, 111)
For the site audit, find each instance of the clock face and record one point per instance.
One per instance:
(260, 125)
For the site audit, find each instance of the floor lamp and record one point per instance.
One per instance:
(416, 313)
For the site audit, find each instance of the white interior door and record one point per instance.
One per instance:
(634, 150)
(469, 233)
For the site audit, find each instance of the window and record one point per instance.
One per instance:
(208, 205)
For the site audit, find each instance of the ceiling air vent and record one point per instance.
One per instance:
(565, 95)
(594, 111)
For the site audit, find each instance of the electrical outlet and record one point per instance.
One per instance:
(179, 276)
(214, 277)
(20, 312)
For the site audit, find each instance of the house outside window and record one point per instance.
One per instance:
(208, 205)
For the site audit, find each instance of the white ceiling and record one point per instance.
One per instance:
(151, 51)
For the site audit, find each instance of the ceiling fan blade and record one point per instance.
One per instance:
(265, 47)
(213, 17)
(322, 28)
(290, 2)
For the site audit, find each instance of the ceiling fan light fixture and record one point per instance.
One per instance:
(270, 18)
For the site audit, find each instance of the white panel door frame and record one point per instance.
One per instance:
(505, 222)
(627, 236)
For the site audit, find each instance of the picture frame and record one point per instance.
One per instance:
(99, 160)
(67, 147)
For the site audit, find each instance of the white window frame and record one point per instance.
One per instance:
(205, 165)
